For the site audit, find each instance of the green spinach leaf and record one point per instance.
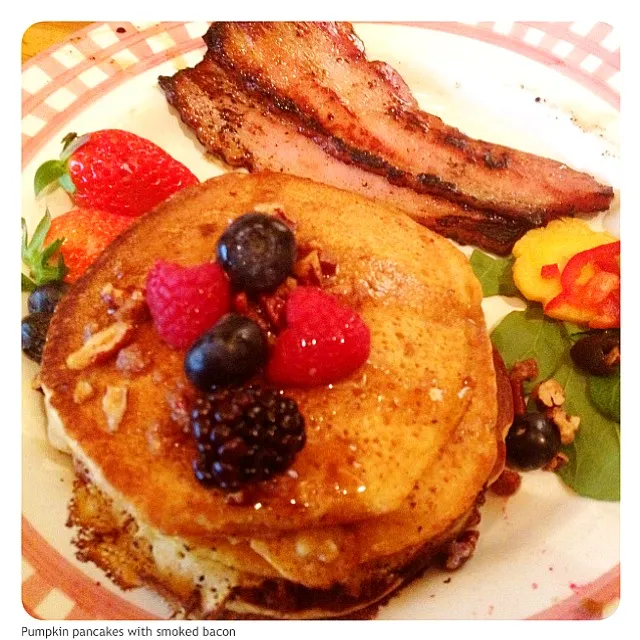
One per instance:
(495, 275)
(593, 469)
(531, 334)
(604, 393)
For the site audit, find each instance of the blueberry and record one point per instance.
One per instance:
(34, 334)
(230, 352)
(257, 251)
(46, 296)
(532, 442)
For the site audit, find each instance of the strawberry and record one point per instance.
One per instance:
(114, 171)
(324, 341)
(85, 235)
(186, 301)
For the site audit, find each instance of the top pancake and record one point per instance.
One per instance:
(370, 436)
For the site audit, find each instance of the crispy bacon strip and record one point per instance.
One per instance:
(247, 131)
(319, 73)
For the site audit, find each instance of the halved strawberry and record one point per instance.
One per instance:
(86, 234)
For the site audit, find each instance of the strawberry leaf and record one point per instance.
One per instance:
(49, 172)
(27, 284)
(37, 257)
(51, 250)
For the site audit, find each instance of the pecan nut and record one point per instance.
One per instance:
(83, 391)
(308, 270)
(549, 394)
(114, 405)
(100, 345)
(567, 425)
(521, 372)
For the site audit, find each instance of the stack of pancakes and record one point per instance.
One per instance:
(397, 454)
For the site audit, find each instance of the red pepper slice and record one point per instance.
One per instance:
(550, 271)
(590, 288)
(606, 257)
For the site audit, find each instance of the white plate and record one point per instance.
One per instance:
(538, 548)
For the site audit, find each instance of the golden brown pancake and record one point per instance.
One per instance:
(396, 453)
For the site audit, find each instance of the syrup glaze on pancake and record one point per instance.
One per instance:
(446, 489)
(371, 437)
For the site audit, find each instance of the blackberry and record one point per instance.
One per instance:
(245, 435)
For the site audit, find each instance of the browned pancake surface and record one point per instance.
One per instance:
(370, 436)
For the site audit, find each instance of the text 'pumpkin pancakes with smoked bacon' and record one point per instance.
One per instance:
(397, 448)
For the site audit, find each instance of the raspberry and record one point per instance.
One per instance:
(245, 435)
(323, 342)
(186, 301)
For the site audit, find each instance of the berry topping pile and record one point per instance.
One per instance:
(245, 435)
(258, 252)
(186, 301)
(249, 316)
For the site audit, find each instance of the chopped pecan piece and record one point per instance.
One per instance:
(549, 394)
(88, 330)
(131, 359)
(100, 346)
(273, 304)
(114, 404)
(520, 372)
(568, 425)
(178, 403)
(507, 484)
(558, 461)
(308, 269)
(134, 308)
(112, 296)
(613, 357)
(83, 391)
(36, 383)
(328, 264)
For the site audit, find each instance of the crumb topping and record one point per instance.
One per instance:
(82, 391)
